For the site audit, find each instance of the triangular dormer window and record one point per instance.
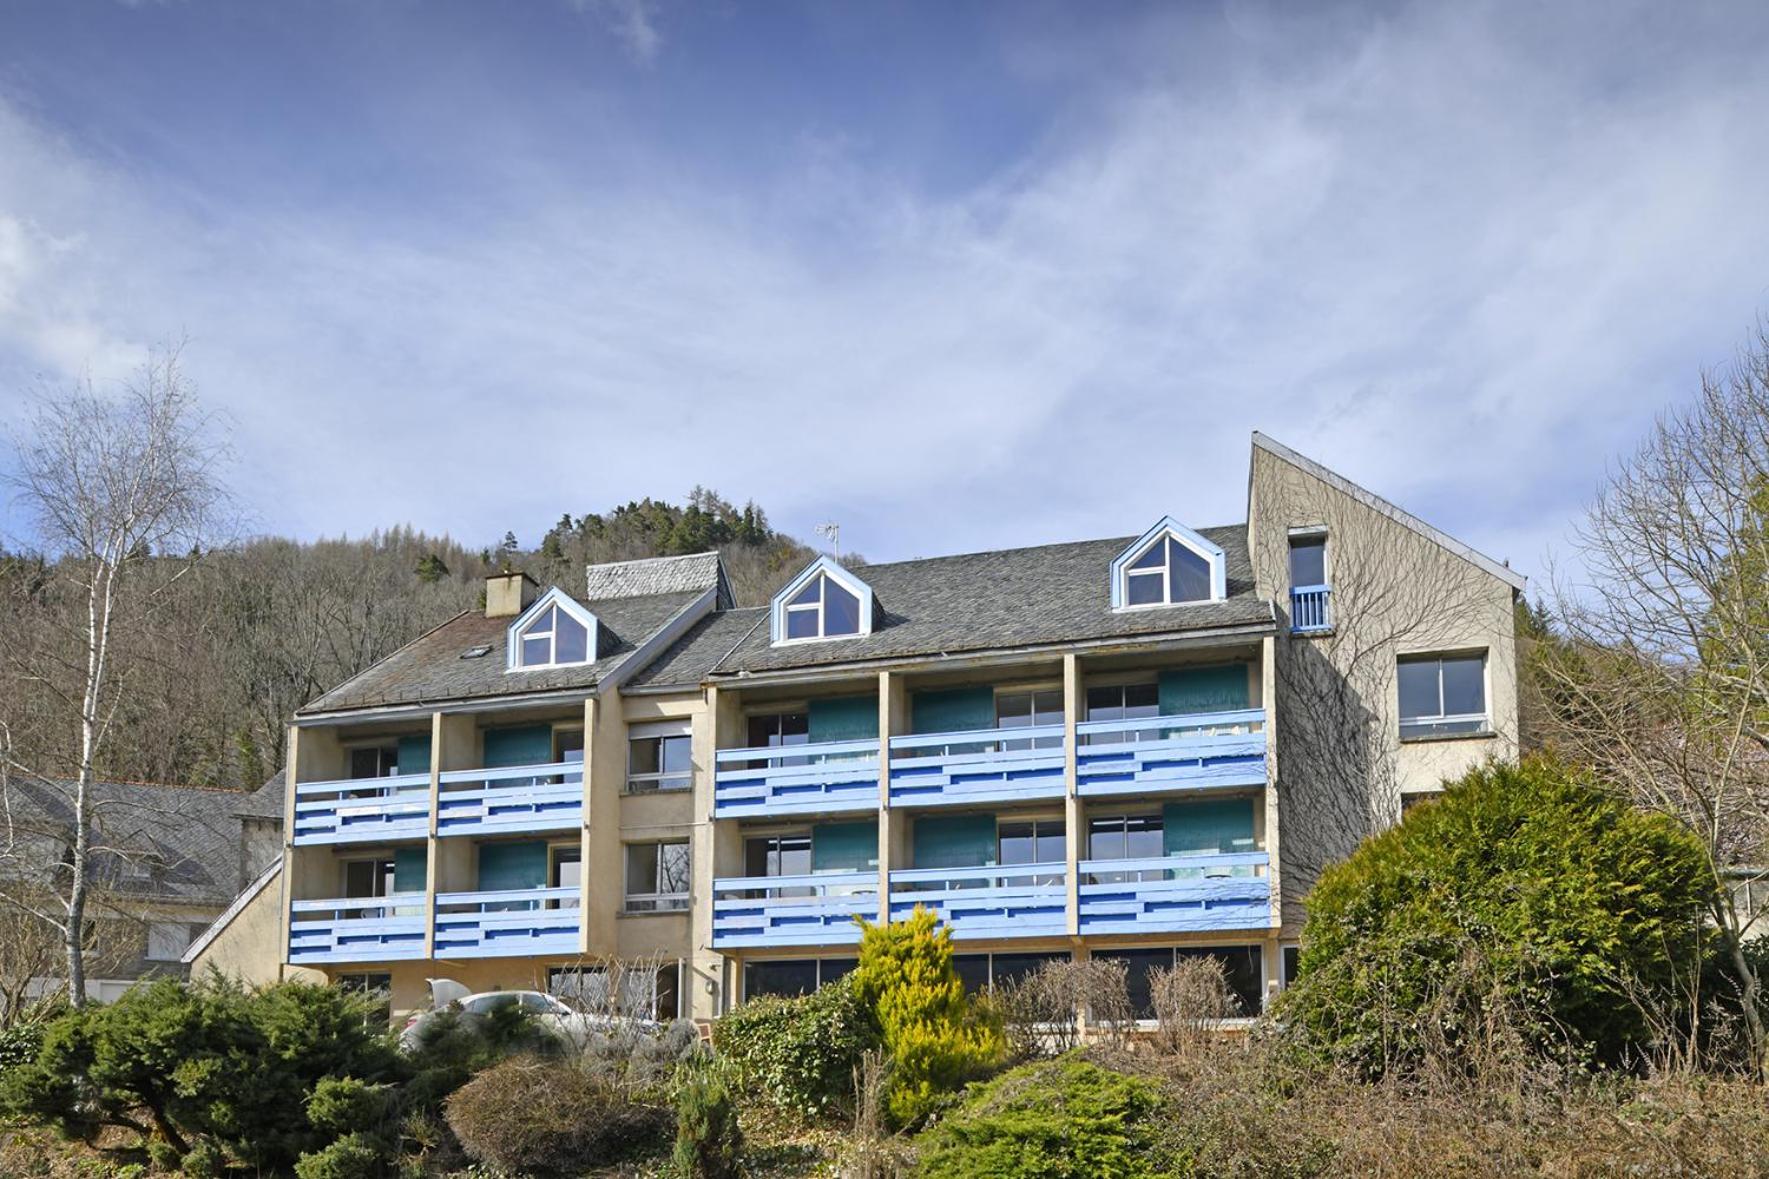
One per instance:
(556, 631)
(1169, 565)
(823, 602)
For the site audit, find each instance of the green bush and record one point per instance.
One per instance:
(209, 1068)
(801, 1052)
(345, 1105)
(354, 1156)
(532, 1116)
(20, 1043)
(935, 1039)
(1048, 1120)
(707, 1138)
(1525, 902)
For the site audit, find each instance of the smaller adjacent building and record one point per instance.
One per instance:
(167, 861)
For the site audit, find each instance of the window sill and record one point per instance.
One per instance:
(1434, 738)
(1311, 632)
(683, 912)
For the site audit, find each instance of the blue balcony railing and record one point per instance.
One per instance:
(357, 929)
(503, 923)
(1024, 900)
(813, 910)
(1309, 609)
(1165, 753)
(357, 810)
(828, 777)
(1176, 894)
(984, 765)
(511, 799)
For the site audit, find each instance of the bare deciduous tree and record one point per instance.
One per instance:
(1661, 678)
(125, 497)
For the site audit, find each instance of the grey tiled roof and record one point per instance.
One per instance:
(172, 843)
(431, 668)
(1050, 594)
(266, 802)
(694, 573)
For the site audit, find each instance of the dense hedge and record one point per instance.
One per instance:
(801, 1052)
(1525, 894)
(1049, 1120)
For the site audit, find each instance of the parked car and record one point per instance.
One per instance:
(569, 1024)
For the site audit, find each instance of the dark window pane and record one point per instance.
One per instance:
(757, 856)
(841, 610)
(1105, 703)
(571, 642)
(365, 763)
(1011, 968)
(1292, 961)
(795, 728)
(1013, 710)
(1152, 558)
(797, 976)
(1049, 846)
(1047, 708)
(534, 651)
(1143, 837)
(1308, 562)
(1418, 688)
(641, 869)
(1015, 844)
(1143, 589)
(673, 868)
(973, 971)
(570, 744)
(668, 983)
(1105, 839)
(1244, 967)
(1141, 700)
(1139, 965)
(1464, 685)
(642, 755)
(808, 595)
(833, 969)
(1191, 574)
(801, 624)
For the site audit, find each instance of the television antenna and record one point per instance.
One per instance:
(830, 531)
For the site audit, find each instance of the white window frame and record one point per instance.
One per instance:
(1484, 717)
(654, 783)
(661, 902)
(1168, 528)
(518, 630)
(822, 567)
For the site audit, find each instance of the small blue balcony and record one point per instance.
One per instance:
(357, 929)
(362, 810)
(525, 922)
(511, 799)
(825, 778)
(1155, 755)
(1176, 894)
(1024, 900)
(980, 766)
(1309, 609)
(810, 910)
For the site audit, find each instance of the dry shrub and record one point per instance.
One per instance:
(530, 1116)
(1042, 1013)
(1191, 999)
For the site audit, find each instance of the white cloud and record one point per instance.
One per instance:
(633, 22)
(1447, 254)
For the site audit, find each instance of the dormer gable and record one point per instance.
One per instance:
(555, 631)
(825, 601)
(1169, 565)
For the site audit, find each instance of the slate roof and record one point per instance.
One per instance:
(431, 668)
(173, 843)
(694, 573)
(1049, 594)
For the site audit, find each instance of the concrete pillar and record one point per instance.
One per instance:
(1268, 700)
(893, 719)
(315, 755)
(1074, 835)
(605, 769)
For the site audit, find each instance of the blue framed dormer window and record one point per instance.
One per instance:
(825, 601)
(1169, 565)
(556, 631)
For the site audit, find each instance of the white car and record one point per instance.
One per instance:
(574, 1027)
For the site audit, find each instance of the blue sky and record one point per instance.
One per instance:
(954, 275)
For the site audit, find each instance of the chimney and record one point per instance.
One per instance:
(508, 594)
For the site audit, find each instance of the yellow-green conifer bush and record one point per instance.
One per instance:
(935, 1040)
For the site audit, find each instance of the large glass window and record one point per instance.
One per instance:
(1243, 966)
(776, 729)
(660, 762)
(1167, 572)
(779, 855)
(823, 609)
(374, 761)
(792, 976)
(1125, 837)
(554, 637)
(565, 870)
(1032, 841)
(1442, 695)
(657, 877)
(1023, 710)
(368, 878)
(1308, 561)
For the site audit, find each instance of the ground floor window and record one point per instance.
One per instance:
(981, 971)
(641, 992)
(1290, 962)
(792, 976)
(376, 984)
(1244, 967)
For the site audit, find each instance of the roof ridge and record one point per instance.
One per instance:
(644, 560)
(1027, 548)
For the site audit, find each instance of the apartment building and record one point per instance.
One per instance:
(1141, 747)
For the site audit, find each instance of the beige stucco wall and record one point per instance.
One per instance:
(1395, 592)
(249, 947)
